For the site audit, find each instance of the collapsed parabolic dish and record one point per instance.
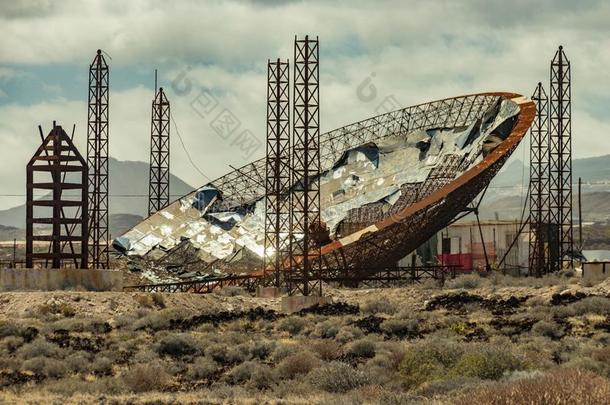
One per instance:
(388, 184)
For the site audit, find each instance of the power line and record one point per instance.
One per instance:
(188, 155)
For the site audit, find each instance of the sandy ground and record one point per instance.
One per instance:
(112, 304)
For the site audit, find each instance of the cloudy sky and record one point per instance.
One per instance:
(410, 51)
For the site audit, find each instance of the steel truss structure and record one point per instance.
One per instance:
(560, 161)
(97, 160)
(158, 185)
(372, 277)
(56, 157)
(305, 224)
(539, 214)
(277, 168)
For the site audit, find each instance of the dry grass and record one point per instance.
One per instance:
(394, 351)
(563, 386)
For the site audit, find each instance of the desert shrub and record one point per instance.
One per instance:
(202, 368)
(466, 281)
(102, 366)
(242, 372)
(295, 388)
(348, 333)
(587, 363)
(548, 329)
(400, 327)
(48, 367)
(326, 350)
(362, 348)
(327, 329)
(258, 375)
(283, 350)
(561, 386)
(535, 301)
(146, 377)
(56, 308)
(485, 362)
(158, 299)
(144, 300)
(262, 349)
(296, 364)
(292, 324)
(380, 306)
(602, 355)
(9, 329)
(389, 355)
(231, 291)
(428, 361)
(94, 325)
(152, 320)
(39, 348)
(592, 305)
(177, 345)
(337, 377)
(227, 355)
(12, 343)
(262, 377)
(78, 362)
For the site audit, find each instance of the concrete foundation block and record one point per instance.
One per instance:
(60, 279)
(295, 303)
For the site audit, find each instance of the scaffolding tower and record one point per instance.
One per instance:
(560, 162)
(97, 160)
(67, 214)
(277, 168)
(305, 224)
(158, 185)
(539, 186)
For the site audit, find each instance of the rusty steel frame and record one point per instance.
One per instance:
(539, 214)
(305, 222)
(97, 159)
(158, 175)
(59, 157)
(560, 160)
(277, 168)
(377, 277)
(205, 286)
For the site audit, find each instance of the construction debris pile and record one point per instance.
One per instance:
(374, 173)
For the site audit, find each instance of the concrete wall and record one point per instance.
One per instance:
(60, 279)
(595, 272)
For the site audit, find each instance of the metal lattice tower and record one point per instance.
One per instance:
(56, 157)
(539, 186)
(158, 185)
(560, 160)
(305, 252)
(277, 167)
(97, 160)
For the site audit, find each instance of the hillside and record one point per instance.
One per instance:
(593, 169)
(128, 192)
(595, 207)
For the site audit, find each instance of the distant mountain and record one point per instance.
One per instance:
(128, 194)
(120, 223)
(595, 207)
(593, 169)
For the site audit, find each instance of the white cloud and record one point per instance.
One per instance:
(418, 52)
